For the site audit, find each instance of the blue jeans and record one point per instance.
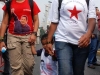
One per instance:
(71, 59)
(93, 51)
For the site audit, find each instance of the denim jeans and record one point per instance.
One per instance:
(93, 51)
(71, 58)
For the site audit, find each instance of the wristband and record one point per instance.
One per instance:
(35, 33)
(49, 42)
(1, 39)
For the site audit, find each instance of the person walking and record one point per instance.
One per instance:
(5, 56)
(92, 60)
(72, 34)
(48, 65)
(19, 44)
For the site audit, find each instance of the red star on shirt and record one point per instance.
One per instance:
(74, 12)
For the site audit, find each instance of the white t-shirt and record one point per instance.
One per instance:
(1, 11)
(73, 15)
(47, 65)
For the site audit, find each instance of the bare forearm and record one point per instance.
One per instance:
(91, 25)
(4, 24)
(36, 25)
(53, 27)
(0, 30)
(3, 29)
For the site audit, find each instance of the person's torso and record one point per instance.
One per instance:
(72, 24)
(47, 65)
(24, 23)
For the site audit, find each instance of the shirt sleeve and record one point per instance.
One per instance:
(39, 52)
(36, 9)
(53, 12)
(4, 7)
(92, 11)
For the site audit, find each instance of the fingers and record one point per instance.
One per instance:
(83, 42)
(32, 41)
(51, 53)
(49, 49)
(2, 44)
(32, 38)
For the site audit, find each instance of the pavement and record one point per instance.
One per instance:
(88, 71)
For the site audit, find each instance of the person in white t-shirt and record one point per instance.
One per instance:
(72, 34)
(92, 59)
(5, 56)
(48, 65)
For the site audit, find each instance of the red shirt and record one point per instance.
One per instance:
(98, 21)
(21, 22)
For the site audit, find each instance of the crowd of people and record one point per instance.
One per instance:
(73, 36)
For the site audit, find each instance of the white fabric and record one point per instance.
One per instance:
(48, 67)
(1, 11)
(71, 28)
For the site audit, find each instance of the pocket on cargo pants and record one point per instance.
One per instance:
(15, 55)
(11, 42)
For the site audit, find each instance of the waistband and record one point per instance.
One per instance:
(24, 34)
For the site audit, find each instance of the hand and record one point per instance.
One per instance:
(32, 38)
(12, 10)
(50, 49)
(93, 36)
(84, 40)
(2, 44)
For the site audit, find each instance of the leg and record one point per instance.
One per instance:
(92, 51)
(79, 59)
(6, 63)
(95, 59)
(15, 55)
(64, 57)
(28, 58)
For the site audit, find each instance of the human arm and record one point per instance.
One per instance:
(35, 24)
(33, 50)
(15, 17)
(98, 21)
(53, 27)
(39, 52)
(3, 28)
(54, 57)
(84, 41)
(53, 17)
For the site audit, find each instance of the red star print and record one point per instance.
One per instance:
(74, 12)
